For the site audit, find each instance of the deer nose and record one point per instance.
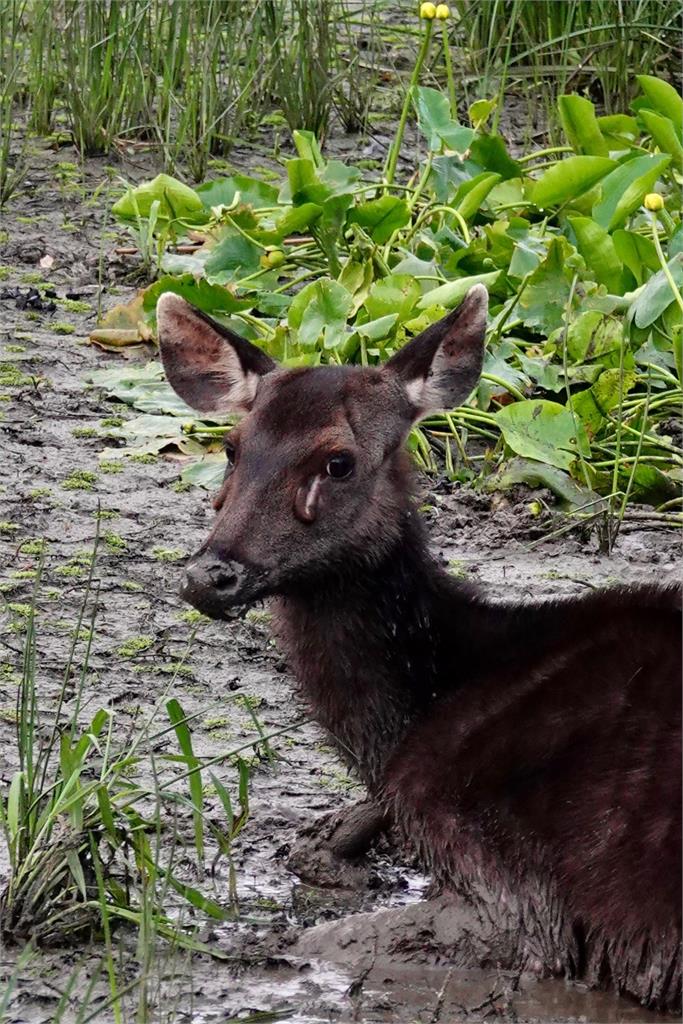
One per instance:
(212, 584)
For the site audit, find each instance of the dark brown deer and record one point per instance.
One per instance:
(530, 751)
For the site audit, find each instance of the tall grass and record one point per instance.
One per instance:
(551, 46)
(189, 77)
(92, 820)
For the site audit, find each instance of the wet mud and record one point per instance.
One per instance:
(309, 952)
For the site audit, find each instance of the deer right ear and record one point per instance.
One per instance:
(208, 366)
(440, 367)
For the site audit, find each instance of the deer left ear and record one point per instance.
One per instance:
(440, 367)
(209, 366)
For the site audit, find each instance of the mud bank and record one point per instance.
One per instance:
(54, 485)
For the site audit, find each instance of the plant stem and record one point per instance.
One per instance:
(396, 144)
(449, 71)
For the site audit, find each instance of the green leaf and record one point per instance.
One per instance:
(543, 302)
(14, 803)
(451, 293)
(537, 474)
(595, 337)
(435, 122)
(490, 152)
(307, 147)
(623, 190)
(304, 186)
(568, 179)
(397, 293)
(381, 217)
(293, 221)
(339, 177)
(234, 256)
(252, 192)
(472, 194)
(320, 310)
(663, 134)
(637, 252)
(177, 718)
(480, 111)
(76, 870)
(598, 250)
(211, 298)
(581, 126)
(593, 405)
(544, 431)
(663, 98)
(657, 294)
(176, 202)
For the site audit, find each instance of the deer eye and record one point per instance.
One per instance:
(340, 466)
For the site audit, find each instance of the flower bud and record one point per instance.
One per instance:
(653, 201)
(442, 12)
(427, 11)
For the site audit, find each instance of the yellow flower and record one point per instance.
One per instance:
(653, 201)
(428, 11)
(442, 12)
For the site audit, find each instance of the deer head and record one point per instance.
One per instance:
(317, 480)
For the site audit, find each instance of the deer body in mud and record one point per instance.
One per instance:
(529, 751)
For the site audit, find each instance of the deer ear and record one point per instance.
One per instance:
(440, 367)
(209, 366)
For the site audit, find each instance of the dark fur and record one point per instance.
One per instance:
(530, 751)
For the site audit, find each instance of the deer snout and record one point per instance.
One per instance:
(214, 584)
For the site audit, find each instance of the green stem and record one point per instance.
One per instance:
(449, 71)
(396, 145)
(663, 263)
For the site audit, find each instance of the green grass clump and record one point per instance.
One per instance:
(12, 377)
(80, 480)
(114, 542)
(7, 527)
(160, 554)
(85, 432)
(62, 327)
(83, 832)
(134, 646)
(74, 305)
(36, 546)
(110, 466)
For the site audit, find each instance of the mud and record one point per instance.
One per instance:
(297, 950)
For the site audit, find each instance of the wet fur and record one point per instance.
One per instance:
(529, 751)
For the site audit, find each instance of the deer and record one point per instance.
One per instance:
(527, 751)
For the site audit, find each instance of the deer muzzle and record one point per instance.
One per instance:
(213, 585)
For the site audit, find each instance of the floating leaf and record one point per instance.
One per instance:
(381, 217)
(581, 126)
(252, 192)
(235, 256)
(177, 202)
(623, 190)
(663, 98)
(657, 294)
(664, 136)
(567, 179)
(598, 249)
(453, 292)
(435, 121)
(544, 431)
(536, 474)
(211, 298)
(320, 310)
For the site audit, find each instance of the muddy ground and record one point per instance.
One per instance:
(52, 433)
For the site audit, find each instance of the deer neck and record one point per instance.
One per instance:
(365, 649)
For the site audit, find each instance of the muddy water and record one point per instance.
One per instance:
(51, 433)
